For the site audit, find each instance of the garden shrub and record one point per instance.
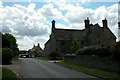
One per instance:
(94, 50)
(7, 55)
(116, 54)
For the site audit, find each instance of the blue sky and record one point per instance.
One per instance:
(31, 22)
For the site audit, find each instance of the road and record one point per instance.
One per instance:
(35, 68)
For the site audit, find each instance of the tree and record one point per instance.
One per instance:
(9, 41)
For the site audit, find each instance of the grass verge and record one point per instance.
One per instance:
(8, 74)
(41, 58)
(15, 59)
(96, 72)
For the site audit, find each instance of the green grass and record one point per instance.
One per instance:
(96, 72)
(8, 74)
(41, 58)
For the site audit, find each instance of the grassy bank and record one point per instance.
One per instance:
(96, 72)
(15, 58)
(41, 58)
(8, 74)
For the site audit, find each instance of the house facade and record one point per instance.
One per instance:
(35, 51)
(62, 39)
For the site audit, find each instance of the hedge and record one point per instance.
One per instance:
(94, 50)
(7, 55)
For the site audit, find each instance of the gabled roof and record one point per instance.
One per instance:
(103, 31)
(67, 34)
(109, 32)
(36, 48)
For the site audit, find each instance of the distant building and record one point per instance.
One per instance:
(23, 53)
(92, 35)
(35, 51)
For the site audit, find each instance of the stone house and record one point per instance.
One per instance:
(92, 35)
(35, 51)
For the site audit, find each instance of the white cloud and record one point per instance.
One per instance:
(49, 10)
(77, 26)
(113, 8)
(24, 22)
(62, 26)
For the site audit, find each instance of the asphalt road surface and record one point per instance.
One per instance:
(35, 68)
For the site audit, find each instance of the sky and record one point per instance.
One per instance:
(30, 22)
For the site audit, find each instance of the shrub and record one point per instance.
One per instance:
(116, 54)
(7, 55)
(55, 54)
(94, 50)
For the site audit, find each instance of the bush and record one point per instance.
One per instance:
(116, 54)
(7, 55)
(94, 50)
(55, 55)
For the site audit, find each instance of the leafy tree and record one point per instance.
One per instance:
(9, 41)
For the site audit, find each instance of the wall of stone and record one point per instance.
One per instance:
(94, 62)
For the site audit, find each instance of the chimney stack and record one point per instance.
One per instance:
(53, 25)
(105, 23)
(38, 45)
(87, 22)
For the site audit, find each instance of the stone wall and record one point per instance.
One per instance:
(94, 62)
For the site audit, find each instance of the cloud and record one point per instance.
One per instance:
(24, 22)
(49, 10)
(113, 8)
(62, 26)
(77, 26)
